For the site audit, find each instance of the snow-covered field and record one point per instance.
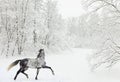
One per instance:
(69, 66)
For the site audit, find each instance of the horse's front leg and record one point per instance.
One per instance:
(49, 68)
(37, 73)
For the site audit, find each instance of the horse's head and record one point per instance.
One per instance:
(41, 50)
(41, 53)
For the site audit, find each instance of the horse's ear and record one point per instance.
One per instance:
(41, 50)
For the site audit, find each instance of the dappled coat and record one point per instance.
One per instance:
(38, 62)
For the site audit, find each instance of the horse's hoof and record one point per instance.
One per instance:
(27, 77)
(36, 79)
(53, 73)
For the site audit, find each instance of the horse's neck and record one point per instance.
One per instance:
(41, 58)
(41, 55)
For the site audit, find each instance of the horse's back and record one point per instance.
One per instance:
(34, 63)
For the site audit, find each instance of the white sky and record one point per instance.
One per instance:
(70, 8)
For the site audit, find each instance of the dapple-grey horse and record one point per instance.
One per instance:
(35, 63)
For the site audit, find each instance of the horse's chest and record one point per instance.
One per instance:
(35, 63)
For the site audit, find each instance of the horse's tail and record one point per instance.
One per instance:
(13, 64)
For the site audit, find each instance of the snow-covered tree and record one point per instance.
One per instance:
(109, 12)
(29, 25)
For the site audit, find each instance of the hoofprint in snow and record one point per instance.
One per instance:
(69, 66)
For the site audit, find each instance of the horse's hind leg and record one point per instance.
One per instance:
(49, 68)
(23, 72)
(17, 73)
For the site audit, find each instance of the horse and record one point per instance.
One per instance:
(35, 63)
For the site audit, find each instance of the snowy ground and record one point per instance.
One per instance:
(69, 66)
